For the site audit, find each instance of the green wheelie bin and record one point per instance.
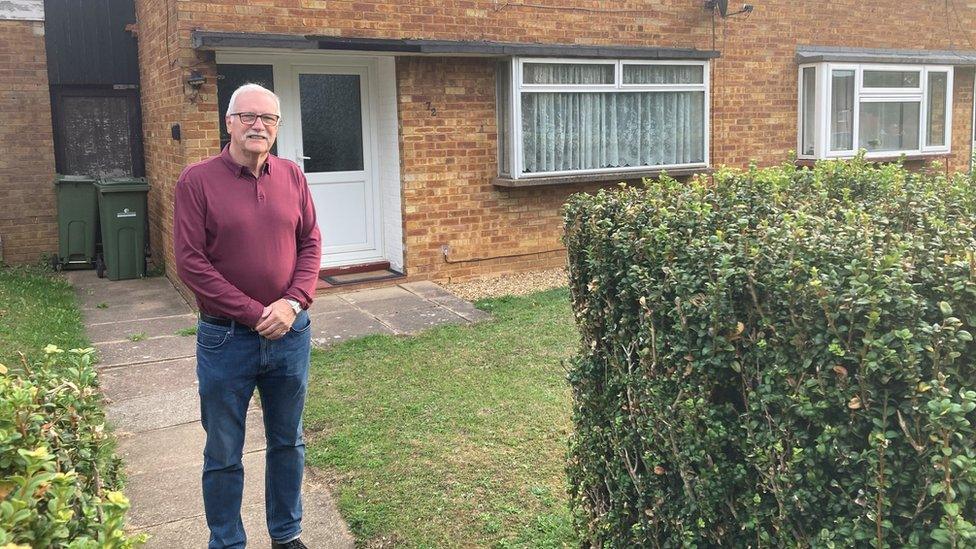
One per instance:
(122, 211)
(77, 221)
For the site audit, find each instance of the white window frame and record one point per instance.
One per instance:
(822, 107)
(517, 88)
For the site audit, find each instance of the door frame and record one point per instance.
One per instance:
(292, 103)
(380, 111)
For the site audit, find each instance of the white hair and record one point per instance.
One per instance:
(251, 88)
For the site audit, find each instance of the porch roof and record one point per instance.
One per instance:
(818, 54)
(209, 40)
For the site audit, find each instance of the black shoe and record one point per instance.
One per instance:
(293, 544)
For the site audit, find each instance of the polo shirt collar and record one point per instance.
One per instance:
(239, 170)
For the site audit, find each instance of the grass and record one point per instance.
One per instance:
(186, 332)
(37, 308)
(453, 438)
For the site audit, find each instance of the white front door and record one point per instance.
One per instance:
(335, 142)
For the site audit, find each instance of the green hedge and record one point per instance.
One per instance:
(776, 357)
(59, 478)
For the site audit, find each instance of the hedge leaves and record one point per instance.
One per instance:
(776, 357)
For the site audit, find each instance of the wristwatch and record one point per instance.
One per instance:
(294, 305)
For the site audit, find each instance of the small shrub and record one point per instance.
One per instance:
(776, 357)
(60, 476)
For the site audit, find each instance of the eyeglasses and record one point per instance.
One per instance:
(248, 118)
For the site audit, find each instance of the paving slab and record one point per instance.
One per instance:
(328, 304)
(91, 299)
(121, 310)
(117, 331)
(321, 526)
(126, 352)
(426, 289)
(145, 380)
(386, 300)
(159, 497)
(418, 320)
(88, 280)
(462, 308)
(179, 445)
(340, 325)
(136, 415)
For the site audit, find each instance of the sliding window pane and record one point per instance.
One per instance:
(567, 73)
(891, 79)
(588, 131)
(842, 110)
(809, 109)
(889, 126)
(938, 84)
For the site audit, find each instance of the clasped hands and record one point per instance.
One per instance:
(276, 320)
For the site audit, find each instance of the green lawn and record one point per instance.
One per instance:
(453, 438)
(37, 308)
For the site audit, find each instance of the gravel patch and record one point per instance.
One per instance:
(510, 284)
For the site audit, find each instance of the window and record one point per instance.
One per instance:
(566, 117)
(887, 110)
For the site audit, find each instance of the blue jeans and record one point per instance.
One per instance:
(231, 362)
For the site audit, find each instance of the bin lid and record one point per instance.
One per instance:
(122, 184)
(59, 179)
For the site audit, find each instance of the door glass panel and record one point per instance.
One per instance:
(332, 122)
(96, 136)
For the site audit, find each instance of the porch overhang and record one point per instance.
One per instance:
(210, 40)
(831, 54)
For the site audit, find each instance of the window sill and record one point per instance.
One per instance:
(593, 177)
(809, 162)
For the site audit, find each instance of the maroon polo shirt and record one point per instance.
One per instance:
(241, 242)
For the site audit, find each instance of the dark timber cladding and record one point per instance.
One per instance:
(204, 40)
(87, 43)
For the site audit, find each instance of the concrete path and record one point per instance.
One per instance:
(141, 329)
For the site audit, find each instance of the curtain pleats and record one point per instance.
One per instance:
(564, 131)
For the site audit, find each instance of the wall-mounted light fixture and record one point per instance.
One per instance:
(196, 80)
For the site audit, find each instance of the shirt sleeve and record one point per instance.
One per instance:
(309, 243)
(192, 264)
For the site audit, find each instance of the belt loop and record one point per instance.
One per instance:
(233, 325)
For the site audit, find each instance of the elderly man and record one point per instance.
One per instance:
(247, 244)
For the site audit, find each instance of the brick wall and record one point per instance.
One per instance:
(448, 160)
(28, 222)
(163, 67)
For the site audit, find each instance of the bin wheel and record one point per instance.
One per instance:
(56, 263)
(100, 266)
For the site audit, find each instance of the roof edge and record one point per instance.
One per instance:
(211, 40)
(821, 54)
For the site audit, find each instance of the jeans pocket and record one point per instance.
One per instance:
(302, 323)
(211, 337)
